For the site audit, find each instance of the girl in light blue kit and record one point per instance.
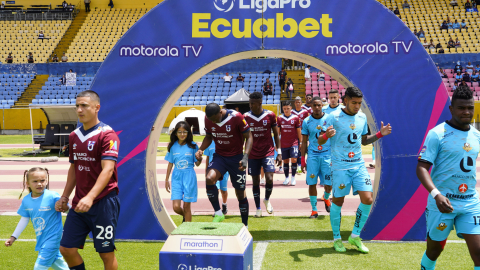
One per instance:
(181, 152)
(39, 207)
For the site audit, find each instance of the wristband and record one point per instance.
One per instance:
(379, 134)
(65, 198)
(279, 151)
(304, 164)
(434, 192)
(324, 136)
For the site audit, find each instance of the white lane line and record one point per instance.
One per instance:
(258, 255)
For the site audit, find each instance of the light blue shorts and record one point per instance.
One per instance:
(358, 179)
(465, 218)
(47, 256)
(222, 184)
(319, 167)
(184, 185)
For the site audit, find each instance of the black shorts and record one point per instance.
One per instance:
(230, 165)
(101, 220)
(281, 83)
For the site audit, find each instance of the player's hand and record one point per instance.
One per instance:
(386, 130)
(61, 205)
(199, 154)
(84, 205)
(199, 159)
(443, 204)
(279, 160)
(10, 241)
(330, 132)
(304, 169)
(167, 186)
(242, 164)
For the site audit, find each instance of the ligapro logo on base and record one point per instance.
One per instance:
(185, 267)
(259, 5)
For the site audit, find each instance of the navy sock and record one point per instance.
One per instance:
(286, 169)
(243, 205)
(212, 193)
(268, 190)
(299, 162)
(294, 169)
(78, 267)
(256, 196)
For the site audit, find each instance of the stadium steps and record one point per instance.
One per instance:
(32, 90)
(298, 78)
(69, 36)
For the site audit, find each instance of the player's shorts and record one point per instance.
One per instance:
(184, 185)
(230, 165)
(465, 217)
(255, 165)
(101, 220)
(47, 256)
(358, 179)
(290, 152)
(319, 167)
(222, 184)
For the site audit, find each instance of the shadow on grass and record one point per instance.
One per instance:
(295, 235)
(319, 252)
(303, 218)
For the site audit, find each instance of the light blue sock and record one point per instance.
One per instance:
(313, 202)
(476, 268)
(373, 153)
(336, 220)
(326, 195)
(362, 216)
(428, 264)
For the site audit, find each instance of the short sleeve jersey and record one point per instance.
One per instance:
(288, 130)
(261, 127)
(453, 153)
(210, 151)
(282, 75)
(327, 109)
(87, 150)
(346, 145)
(268, 86)
(308, 108)
(302, 114)
(228, 134)
(182, 156)
(312, 127)
(47, 222)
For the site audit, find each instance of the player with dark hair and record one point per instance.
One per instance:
(262, 123)
(93, 173)
(333, 98)
(229, 130)
(308, 103)
(291, 137)
(345, 128)
(318, 163)
(302, 114)
(452, 148)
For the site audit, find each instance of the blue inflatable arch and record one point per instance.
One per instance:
(362, 44)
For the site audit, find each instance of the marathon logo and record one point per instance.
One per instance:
(459, 197)
(201, 244)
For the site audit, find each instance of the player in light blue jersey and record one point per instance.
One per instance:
(39, 207)
(333, 98)
(222, 184)
(452, 149)
(181, 153)
(317, 164)
(347, 129)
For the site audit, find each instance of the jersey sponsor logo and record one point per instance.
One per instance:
(251, 124)
(320, 148)
(469, 164)
(106, 244)
(463, 188)
(229, 127)
(182, 164)
(44, 208)
(39, 225)
(213, 128)
(342, 186)
(113, 145)
(442, 226)
(351, 155)
(350, 139)
(424, 149)
(352, 126)
(90, 145)
(74, 146)
(459, 197)
(81, 168)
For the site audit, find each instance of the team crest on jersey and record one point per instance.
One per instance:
(312, 175)
(463, 188)
(265, 122)
(113, 145)
(342, 186)
(319, 127)
(320, 148)
(352, 126)
(292, 122)
(442, 226)
(229, 127)
(90, 145)
(467, 147)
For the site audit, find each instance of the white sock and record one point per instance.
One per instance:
(219, 213)
(354, 235)
(293, 178)
(224, 204)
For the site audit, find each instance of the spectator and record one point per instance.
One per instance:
(41, 36)
(425, 43)
(87, 5)
(64, 58)
(55, 58)
(442, 73)
(466, 77)
(440, 48)
(240, 78)
(457, 43)
(444, 25)
(421, 34)
(456, 25)
(463, 84)
(415, 33)
(227, 78)
(469, 67)
(30, 59)
(307, 74)
(458, 77)
(478, 68)
(405, 4)
(282, 75)
(474, 76)
(431, 45)
(290, 88)
(396, 11)
(9, 58)
(450, 25)
(2, 6)
(455, 85)
(463, 25)
(451, 43)
(63, 80)
(64, 4)
(468, 5)
(458, 67)
(267, 88)
(448, 20)
(324, 102)
(321, 76)
(454, 3)
(110, 4)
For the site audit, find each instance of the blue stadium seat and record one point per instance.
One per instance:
(47, 101)
(189, 103)
(60, 101)
(73, 101)
(183, 103)
(203, 102)
(54, 101)
(41, 101)
(66, 101)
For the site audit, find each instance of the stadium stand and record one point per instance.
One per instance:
(429, 15)
(21, 37)
(53, 93)
(11, 88)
